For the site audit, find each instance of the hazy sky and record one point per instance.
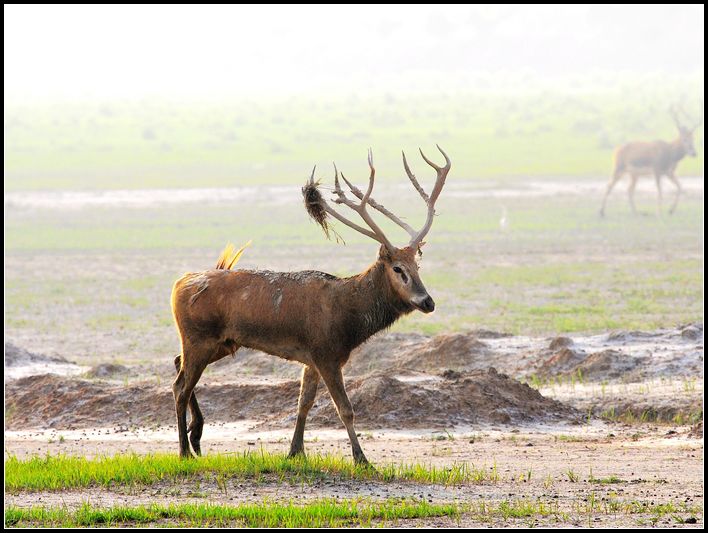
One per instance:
(117, 51)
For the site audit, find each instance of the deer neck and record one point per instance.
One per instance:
(376, 304)
(677, 150)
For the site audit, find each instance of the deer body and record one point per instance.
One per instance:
(649, 158)
(311, 317)
(655, 158)
(302, 316)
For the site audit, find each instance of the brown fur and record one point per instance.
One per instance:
(310, 317)
(657, 158)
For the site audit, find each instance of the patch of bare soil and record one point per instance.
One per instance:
(398, 381)
(379, 401)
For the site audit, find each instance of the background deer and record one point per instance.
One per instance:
(659, 158)
(310, 317)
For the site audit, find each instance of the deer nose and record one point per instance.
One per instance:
(428, 305)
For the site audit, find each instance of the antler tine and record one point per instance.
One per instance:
(342, 219)
(442, 173)
(674, 115)
(437, 188)
(376, 233)
(380, 208)
(371, 179)
(413, 179)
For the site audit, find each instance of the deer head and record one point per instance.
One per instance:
(400, 264)
(686, 129)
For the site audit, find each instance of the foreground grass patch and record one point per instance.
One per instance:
(63, 472)
(323, 513)
(332, 513)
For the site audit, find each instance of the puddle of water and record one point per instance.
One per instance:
(35, 369)
(287, 194)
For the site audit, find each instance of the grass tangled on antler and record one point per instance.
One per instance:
(314, 203)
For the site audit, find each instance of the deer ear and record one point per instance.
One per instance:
(384, 253)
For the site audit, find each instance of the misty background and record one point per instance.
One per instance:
(112, 97)
(140, 139)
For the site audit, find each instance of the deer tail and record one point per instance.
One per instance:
(229, 257)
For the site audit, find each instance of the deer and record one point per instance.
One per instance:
(310, 317)
(660, 158)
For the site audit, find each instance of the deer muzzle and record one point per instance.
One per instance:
(425, 304)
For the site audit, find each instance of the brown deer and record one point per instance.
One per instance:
(311, 317)
(639, 158)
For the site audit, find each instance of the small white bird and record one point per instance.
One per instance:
(503, 221)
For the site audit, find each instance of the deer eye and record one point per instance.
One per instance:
(398, 270)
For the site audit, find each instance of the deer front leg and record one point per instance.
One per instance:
(335, 384)
(630, 192)
(308, 392)
(673, 179)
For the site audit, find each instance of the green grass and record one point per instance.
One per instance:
(63, 472)
(548, 130)
(330, 513)
(322, 513)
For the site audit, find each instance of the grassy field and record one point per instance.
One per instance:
(515, 128)
(68, 472)
(595, 499)
(325, 513)
(73, 276)
(362, 513)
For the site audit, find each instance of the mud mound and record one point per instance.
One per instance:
(456, 351)
(478, 397)
(560, 342)
(608, 364)
(560, 362)
(692, 332)
(628, 336)
(58, 402)
(380, 401)
(16, 356)
(384, 352)
(489, 334)
(108, 370)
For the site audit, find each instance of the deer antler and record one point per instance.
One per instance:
(417, 237)
(318, 207)
(692, 121)
(375, 232)
(674, 115)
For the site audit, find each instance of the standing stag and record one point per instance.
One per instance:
(311, 317)
(639, 158)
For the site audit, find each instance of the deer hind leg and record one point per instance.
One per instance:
(613, 181)
(308, 392)
(673, 179)
(194, 411)
(630, 192)
(195, 361)
(196, 425)
(335, 384)
(657, 176)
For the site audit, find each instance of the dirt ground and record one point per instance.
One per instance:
(624, 406)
